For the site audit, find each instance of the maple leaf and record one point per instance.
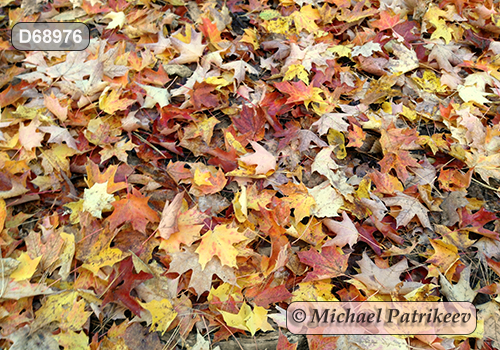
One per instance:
(264, 160)
(345, 230)
(219, 242)
(250, 121)
(386, 21)
(201, 95)
(460, 291)
(162, 313)
(190, 46)
(384, 280)
(29, 137)
(110, 101)
(445, 255)
(96, 199)
(58, 135)
(300, 92)
(201, 278)
(118, 150)
(154, 95)
(248, 319)
(26, 267)
(284, 344)
(133, 209)
(240, 67)
(74, 68)
(331, 262)
(410, 207)
(53, 105)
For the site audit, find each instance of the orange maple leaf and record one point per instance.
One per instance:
(133, 209)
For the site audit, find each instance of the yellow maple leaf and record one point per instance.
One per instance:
(26, 269)
(118, 19)
(162, 313)
(219, 242)
(105, 257)
(64, 309)
(297, 70)
(70, 340)
(247, 319)
(304, 19)
(95, 200)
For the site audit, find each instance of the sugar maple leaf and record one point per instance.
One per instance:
(460, 291)
(29, 137)
(386, 21)
(410, 207)
(345, 230)
(133, 209)
(300, 92)
(53, 105)
(264, 160)
(284, 344)
(331, 262)
(219, 242)
(190, 46)
(384, 280)
(201, 278)
(162, 313)
(58, 135)
(250, 120)
(239, 68)
(247, 319)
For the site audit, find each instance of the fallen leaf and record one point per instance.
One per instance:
(264, 160)
(410, 207)
(219, 243)
(134, 209)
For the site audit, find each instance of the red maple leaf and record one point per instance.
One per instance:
(386, 21)
(298, 91)
(123, 282)
(475, 222)
(252, 121)
(331, 262)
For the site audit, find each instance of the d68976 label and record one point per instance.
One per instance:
(45, 36)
